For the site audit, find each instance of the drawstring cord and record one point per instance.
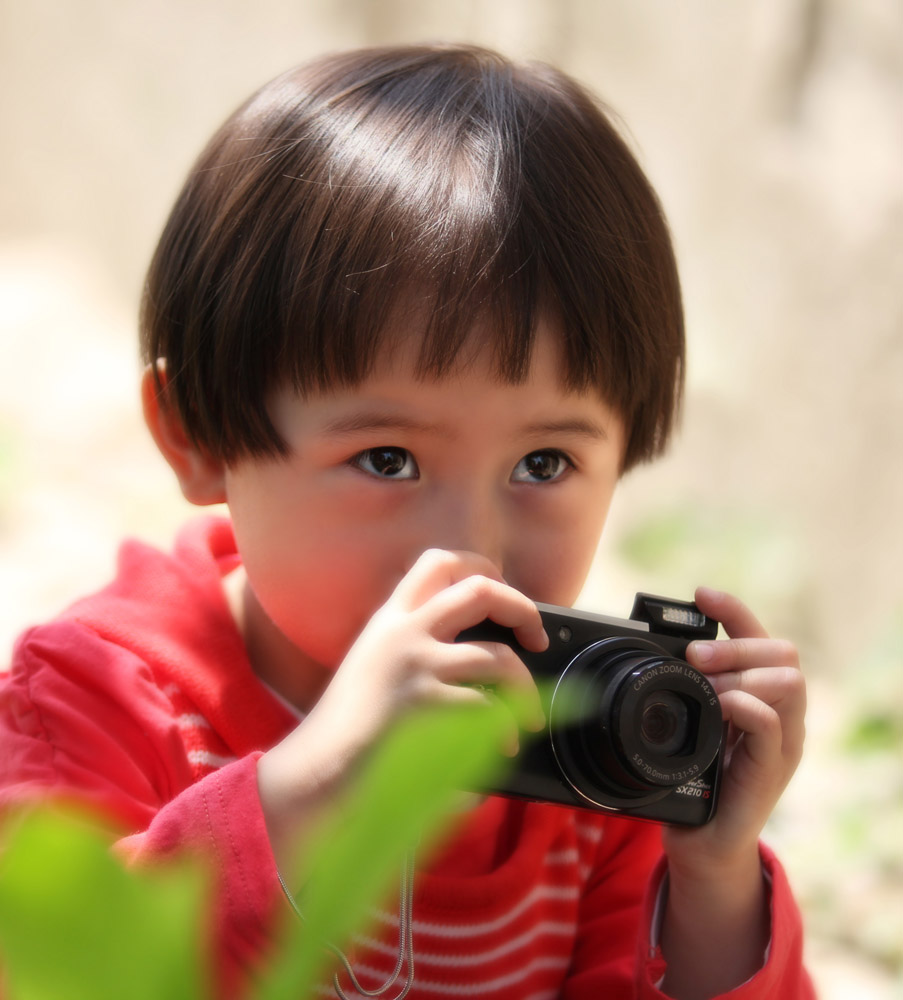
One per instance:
(405, 940)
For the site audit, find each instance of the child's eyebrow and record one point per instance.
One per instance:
(353, 423)
(578, 427)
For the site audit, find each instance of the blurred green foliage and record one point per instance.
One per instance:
(877, 688)
(877, 731)
(740, 550)
(115, 932)
(75, 924)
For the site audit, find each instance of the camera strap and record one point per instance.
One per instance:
(405, 941)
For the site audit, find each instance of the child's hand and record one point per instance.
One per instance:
(763, 696)
(716, 923)
(405, 656)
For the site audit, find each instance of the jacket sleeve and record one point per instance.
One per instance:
(782, 975)
(107, 739)
(220, 820)
(620, 918)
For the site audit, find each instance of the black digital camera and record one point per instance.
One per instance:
(632, 728)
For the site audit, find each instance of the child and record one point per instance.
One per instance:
(413, 315)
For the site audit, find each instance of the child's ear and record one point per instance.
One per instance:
(201, 477)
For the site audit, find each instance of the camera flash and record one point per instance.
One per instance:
(683, 616)
(564, 633)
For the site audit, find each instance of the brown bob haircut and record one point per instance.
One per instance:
(443, 180)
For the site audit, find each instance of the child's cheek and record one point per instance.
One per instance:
(321, 592)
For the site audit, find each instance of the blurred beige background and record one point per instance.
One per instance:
(773, 130)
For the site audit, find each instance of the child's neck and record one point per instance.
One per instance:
(275, 660)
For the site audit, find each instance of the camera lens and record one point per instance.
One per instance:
(664, 725)
(647, 723)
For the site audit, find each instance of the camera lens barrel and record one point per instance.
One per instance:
(629, 722)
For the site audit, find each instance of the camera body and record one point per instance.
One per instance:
(632, 728)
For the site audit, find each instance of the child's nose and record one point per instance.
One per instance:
(470, 524)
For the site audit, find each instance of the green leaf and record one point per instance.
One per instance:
(76, 924)
(403, 798)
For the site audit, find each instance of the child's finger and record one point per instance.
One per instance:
(773, 733)
(476, 598)
(781, 689)
(462, 589)
(735, 617)
(742, 654)
(477, 672)
(494, 665)
(769, 684)
(437, 569)
(761, 726)
(477, 694)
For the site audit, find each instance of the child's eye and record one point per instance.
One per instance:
(541, 467)
(387, 463)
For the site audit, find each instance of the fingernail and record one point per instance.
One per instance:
(703, 651)
(538, 722)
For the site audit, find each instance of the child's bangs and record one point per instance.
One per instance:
(424, 233)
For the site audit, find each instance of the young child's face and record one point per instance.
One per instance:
(521, 474)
